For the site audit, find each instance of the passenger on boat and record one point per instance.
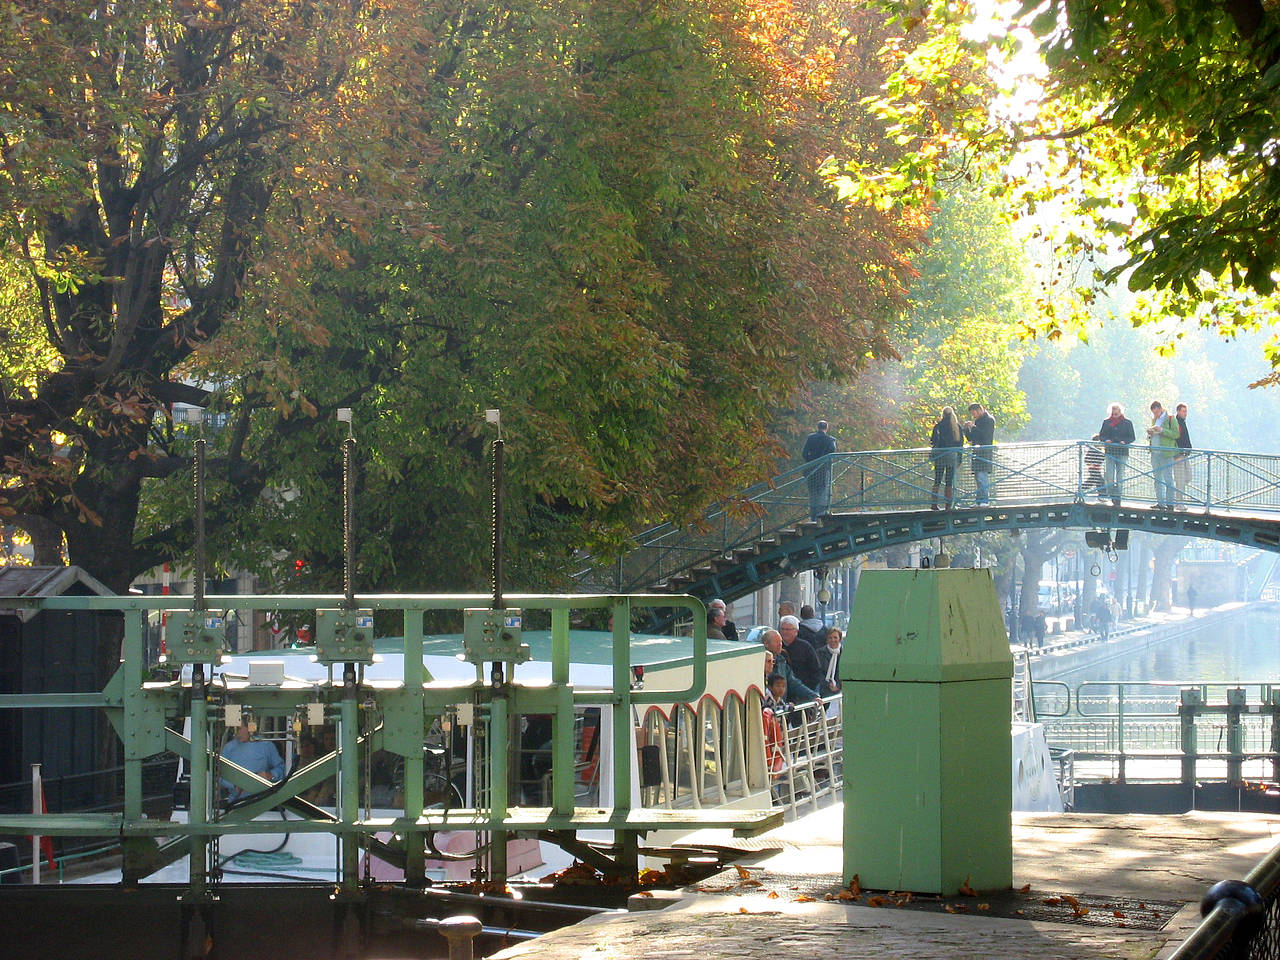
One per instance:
(715, 624)
(801, 656)
(256, 756)
(797, 690)
(812, 630)
(728, 628)
(775, 697)
(829, 660)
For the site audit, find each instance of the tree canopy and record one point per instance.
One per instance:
(613, 220)
(1176, 106)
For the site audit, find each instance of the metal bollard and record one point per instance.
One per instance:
(461, 932)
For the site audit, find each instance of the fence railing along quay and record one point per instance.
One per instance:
(1164, 730)
(887, 481)
(1241, 918)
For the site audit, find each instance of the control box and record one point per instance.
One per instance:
(195, 636)
(493, 635)
(344, 636)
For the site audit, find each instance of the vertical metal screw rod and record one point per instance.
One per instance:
(197, 477)
(496, 545)
(460, 932)
(348, 522)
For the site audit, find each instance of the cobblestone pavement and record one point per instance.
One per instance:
(778, 910)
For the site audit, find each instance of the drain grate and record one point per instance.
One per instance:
(1028, 904)
(1119, 912)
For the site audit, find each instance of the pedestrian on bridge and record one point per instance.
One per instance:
(946, 442)
(1117, 433)
(980, 431)
(1182, 459)
(1162, 436)
(817, 450)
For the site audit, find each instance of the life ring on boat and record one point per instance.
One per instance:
(774, 761)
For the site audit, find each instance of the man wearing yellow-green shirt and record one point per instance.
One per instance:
(1163, 438)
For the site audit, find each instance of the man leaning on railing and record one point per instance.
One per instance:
(980, 431)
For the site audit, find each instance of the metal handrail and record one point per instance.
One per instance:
(1241, 917)
(1172, 720)
(887, 481)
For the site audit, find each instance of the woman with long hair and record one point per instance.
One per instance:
(946, 441)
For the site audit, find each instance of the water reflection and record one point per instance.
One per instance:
(1244, 649)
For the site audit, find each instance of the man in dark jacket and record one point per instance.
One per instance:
(797, 691)
(1182, 459)
(812, 629)
(817, 447)
(980, 431)
(802, 657)
(1117, 434)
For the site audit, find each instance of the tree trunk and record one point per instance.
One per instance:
(1166, 550)
(46, 542)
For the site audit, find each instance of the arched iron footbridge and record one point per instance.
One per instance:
(880, 498)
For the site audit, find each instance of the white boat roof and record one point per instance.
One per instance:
(591, 658)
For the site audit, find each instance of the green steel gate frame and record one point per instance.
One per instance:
(139, 710)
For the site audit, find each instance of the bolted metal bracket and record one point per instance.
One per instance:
(344, 636)
(489, 635)
(195, 636)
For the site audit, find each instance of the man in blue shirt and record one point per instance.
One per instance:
(256, 756)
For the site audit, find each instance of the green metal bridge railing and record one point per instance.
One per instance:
(890, 481)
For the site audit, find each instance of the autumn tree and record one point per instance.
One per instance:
(961, 335)
(640, 260)
(152, 153)
(615, 221)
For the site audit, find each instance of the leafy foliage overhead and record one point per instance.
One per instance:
(611, 219)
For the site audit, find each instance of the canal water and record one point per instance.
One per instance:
(1246, 649)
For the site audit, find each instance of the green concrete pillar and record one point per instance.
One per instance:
(926, 674)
